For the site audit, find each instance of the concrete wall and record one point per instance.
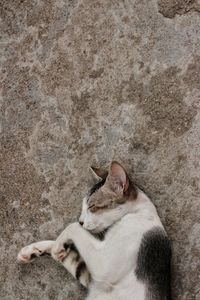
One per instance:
(84, 82)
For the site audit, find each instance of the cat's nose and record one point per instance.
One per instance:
(81, 223)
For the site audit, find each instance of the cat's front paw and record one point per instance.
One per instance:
(62, 245)
(60, 251)
(27, 254)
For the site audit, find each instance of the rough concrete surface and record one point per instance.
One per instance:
(84, 82)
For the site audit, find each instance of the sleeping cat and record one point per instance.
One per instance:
(132, 261)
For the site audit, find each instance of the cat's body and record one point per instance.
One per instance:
(132, 262)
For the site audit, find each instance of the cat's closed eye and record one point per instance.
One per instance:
(91, 206)
(94, 208)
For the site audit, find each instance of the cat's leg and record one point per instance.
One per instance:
(90, 248)
(72, 260)
(28, 253)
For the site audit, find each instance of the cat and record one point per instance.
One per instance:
(131, 261)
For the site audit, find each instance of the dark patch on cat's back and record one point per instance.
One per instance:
(153, 264)
(97, 186)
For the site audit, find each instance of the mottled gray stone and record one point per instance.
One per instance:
(84, 82)
(169, 8)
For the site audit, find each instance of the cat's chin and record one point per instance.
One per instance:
(96, 230)
(100, 233)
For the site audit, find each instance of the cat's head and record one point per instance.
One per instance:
(108, 200)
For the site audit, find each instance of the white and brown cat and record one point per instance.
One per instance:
(132, 261)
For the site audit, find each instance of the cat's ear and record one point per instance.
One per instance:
(98, 173)
(117, 178)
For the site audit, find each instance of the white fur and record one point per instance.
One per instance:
(111, 262)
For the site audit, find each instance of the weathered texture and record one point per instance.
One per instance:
(169, 8)
(84, 82)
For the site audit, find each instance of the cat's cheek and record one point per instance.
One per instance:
(89, 224)
(92, 224)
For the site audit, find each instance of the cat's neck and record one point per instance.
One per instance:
(142, 198)
(142, 204)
